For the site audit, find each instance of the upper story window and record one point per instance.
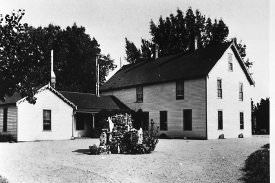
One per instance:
(139, 93)
(47, 122)
(180, 89)
(219, 88)
(230, 63)
(241, 91)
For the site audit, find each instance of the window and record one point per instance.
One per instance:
(139, 92)
(219, 88)
(187, 119)
(5, 119)
(180, 89)
(230, 64)
(220, 120)
(241, 91)
(46, 120)
(163, 120)
(241, 121)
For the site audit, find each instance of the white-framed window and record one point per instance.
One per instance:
(230, 63)
(163, 120)
(139, 94)
(47, 121)
(220, 120)
(180, 89)
(241, 120)
(241, 91)
(5, 119)
(187, 119)
(219, 88)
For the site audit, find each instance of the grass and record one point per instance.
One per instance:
(257, 167)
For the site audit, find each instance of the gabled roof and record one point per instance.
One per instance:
(16, 98)
(85, 102)
(89, 102)
(180, 66)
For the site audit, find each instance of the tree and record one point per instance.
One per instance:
(177, 33)
(25, 58)
(132, 53)
(261, 113)
(19, 57)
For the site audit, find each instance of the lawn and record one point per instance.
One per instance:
(174, 160)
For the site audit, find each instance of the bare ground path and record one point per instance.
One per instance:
(173, 161)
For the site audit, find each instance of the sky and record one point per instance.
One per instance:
(110, 21)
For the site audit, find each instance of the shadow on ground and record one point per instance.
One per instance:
(83, 151)
(257, 167)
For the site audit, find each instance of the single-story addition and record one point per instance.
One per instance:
(56, 115)
(201, 94)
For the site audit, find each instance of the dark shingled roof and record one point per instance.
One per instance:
(180, 66)
(91, 103)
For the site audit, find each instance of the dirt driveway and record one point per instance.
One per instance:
(173, 161)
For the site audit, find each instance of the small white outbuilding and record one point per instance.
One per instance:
(50, 118)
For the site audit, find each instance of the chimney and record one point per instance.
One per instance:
(156, 51)
(97, 76)
(53, 79)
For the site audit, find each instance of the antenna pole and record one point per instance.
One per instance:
(97, 75)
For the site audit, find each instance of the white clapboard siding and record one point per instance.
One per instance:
(162, 97)
(30, 118)
(229, 104)
(11, 120)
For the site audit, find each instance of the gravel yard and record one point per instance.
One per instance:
(173, 161)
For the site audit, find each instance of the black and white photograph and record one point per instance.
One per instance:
(135, 91)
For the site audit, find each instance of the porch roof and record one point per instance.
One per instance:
(87, 102)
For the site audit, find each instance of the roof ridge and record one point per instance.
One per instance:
(76, 92)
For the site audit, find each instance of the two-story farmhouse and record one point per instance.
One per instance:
(202, 94)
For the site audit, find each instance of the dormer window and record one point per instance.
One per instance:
(230, 63)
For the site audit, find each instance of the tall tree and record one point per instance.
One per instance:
(25, 57)
(19, 57)
(132, 52)
(177, 33)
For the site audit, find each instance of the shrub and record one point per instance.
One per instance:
(221, 136)
(97, 149)
(6, 138)
(151, 137)
(257, 168)
(3, 180)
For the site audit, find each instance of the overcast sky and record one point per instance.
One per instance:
(110, 21)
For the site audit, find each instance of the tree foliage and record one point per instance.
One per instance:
(25, 57)
(132, 52)
(177, 33)
(261, 111)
